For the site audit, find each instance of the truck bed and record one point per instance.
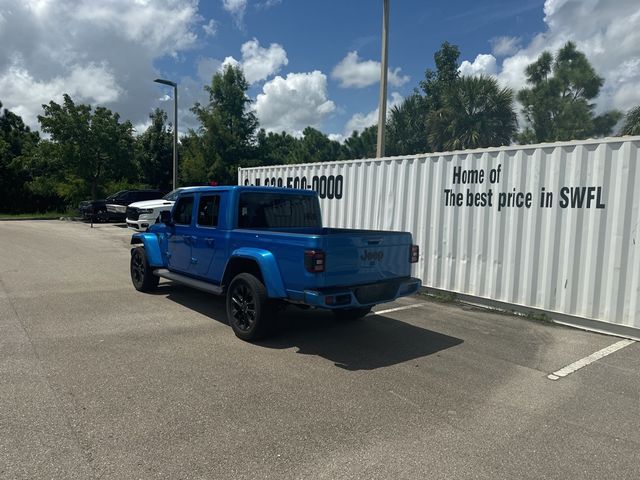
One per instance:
(352, 257)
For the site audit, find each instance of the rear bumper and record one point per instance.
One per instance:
(359, 295)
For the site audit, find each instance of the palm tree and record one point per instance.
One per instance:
(476, 113)
(631, 122)
(406, 128)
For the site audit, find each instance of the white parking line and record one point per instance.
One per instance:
(397, 309)
(583, 362)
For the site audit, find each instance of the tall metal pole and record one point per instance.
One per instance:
(175, 136)
(175, 127)
(382, 108)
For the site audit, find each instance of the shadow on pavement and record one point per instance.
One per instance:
(373, 342)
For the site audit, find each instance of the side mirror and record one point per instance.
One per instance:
(165, 217)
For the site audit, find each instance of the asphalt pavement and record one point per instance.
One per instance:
(101, 381)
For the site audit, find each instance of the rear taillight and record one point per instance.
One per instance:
(314, 261)
(414, 254)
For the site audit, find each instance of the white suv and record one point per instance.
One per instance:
(141, 215)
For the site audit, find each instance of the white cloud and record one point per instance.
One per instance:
(21, 90)
(229, 61)
(99, 53)
(236, 8)
(483, 65)
(155, 25)
(259, 63)
(290, 104)
(140, 128)
(503, 46)
(612, 45)
(355, 72)
(270, 3)
(210, 28)
(360, 121)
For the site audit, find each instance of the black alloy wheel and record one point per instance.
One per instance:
(142, 276)
(246, 307)
(243, 307)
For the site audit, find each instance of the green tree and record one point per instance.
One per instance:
(314, 146)
(557, 105)
(437, 84)
(361, 144)
(17, 144)
(227, 127)
(406, 132)
(406, 129)
(192, 166)
(154, 152)
(475, 113)
(275, 148)
(90, 148)
(631, 122)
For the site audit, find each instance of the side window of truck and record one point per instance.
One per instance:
(208, 209)
(183, 211)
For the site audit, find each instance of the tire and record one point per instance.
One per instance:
(102, 216)
(247, 307)
(142, 275)
(346, 314)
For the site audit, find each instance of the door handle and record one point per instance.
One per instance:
(210, 241)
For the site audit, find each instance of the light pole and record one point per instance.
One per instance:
(382, 108)
(175, 127)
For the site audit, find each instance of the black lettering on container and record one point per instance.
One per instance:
(331, 187)
(322, 193)
(339, 186)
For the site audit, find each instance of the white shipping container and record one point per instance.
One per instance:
(550, 227)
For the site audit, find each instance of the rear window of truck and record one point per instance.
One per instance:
(274, 210)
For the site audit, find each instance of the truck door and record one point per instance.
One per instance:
(209, 247)
(180, 236)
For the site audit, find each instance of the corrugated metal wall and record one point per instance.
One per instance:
(571, 247)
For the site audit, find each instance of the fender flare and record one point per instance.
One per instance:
(151, 247)
(268, 267)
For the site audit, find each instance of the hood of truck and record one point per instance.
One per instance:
(167, 204)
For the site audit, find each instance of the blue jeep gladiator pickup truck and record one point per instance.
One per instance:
(264, 247)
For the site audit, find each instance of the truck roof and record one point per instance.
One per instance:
(239, 188)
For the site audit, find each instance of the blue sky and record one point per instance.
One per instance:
(318, 35)
(309, 63)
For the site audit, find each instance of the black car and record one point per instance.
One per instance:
(113, 208)
(97, 208)
(117, 207)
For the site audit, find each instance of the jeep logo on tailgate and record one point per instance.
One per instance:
(371, 255)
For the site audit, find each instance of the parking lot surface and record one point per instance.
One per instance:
(101, 381)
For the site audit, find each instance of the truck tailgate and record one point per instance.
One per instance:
(355, 257)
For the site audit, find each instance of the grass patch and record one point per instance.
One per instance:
(538, 317)
(37, 215)
(440, 297)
